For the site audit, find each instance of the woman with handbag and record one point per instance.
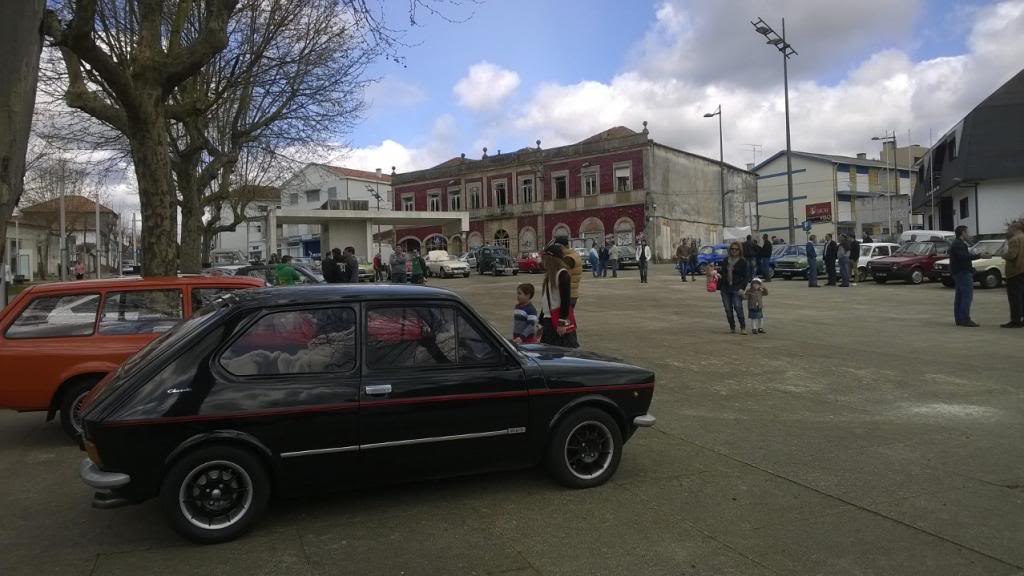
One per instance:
(557, 317)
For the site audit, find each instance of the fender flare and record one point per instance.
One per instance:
(230, 437)
(592, 400)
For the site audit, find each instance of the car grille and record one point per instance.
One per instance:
(788, 265)
(880, 267)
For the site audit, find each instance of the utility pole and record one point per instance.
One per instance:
(99, 274)
(63, 272)
(721, 160)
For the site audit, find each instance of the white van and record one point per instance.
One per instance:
(926, 236)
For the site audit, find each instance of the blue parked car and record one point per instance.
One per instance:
(712, 254)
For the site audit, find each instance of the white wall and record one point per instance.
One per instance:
(999, 202)
(314, 177)
(812, 186)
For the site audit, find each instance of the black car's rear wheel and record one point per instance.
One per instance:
(585, 449)
(215, 494)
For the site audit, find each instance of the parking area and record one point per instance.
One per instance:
(863, 434)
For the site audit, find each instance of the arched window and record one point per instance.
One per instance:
(435, 242)
(455, 245)
(501, 238)
(527, 240)
(592, 229)
(625, 232)
(561, 231)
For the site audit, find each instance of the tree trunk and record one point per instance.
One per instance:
(193, 255)
(21, 41)
(157, 198)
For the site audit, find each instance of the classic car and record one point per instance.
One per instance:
(495, 260)
(292, 390)
(58, 340)
(987, 261)
(365, 270)
(443, 265)
(627, 256)
(869, 252)
(793, 262)
(269, 273)
(711, 255)
(530, 262)
(912, 263)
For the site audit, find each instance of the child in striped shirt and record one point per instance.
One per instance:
(524, 320)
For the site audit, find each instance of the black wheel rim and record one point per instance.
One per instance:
(215, 495)
(589, 449)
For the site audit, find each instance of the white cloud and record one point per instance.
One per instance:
(436, 148)
(391, 92)
(886, 91)
(485, 86)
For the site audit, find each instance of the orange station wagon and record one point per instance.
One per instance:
(58, 340)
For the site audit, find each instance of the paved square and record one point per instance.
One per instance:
(863, 434)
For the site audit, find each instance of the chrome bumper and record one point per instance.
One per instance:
(93, 476)
(645, 421)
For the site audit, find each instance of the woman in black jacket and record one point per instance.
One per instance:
(734, 279)
(557, 317)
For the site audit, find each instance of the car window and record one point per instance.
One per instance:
(474, 346)
(141, 312)
(295, 342)
(881, 251)
(203, 296)
(410, 336)
(56, 316)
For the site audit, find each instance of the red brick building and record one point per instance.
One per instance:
(616, 184)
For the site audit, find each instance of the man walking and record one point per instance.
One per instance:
(643, 256)
(602, 257)
(683, 258)
(812, 262)
(613, 258)
(831, 253)
(1014, 257)
(963, 277)
(397, 263)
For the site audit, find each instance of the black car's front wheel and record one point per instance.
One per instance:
(585, 449)
(215, 493)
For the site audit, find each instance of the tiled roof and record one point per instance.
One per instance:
(350, 173)
(616, 132)
(72, 203)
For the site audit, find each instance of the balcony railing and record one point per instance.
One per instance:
(563, 205)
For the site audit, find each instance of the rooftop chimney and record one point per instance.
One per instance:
(862, 155)
(750, 166)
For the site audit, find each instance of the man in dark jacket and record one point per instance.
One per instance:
(764, 258)
(812, 262)
(750, 255)
(351, 273)
(331, 267)
(963, 276)
(831, 254)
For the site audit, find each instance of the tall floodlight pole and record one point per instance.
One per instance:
(721, 160)
(787, 50)
(895, 169)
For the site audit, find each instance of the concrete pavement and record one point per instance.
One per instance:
(864, 434)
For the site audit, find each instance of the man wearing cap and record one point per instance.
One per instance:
(574, 261)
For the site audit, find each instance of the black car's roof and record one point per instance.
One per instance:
(325, 293)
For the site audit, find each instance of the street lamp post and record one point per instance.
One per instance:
(787, 50)
(721, 160)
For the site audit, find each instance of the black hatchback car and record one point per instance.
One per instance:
(297, 389)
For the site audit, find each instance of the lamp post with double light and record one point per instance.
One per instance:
(787, 50)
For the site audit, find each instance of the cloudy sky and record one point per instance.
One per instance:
(560, 71)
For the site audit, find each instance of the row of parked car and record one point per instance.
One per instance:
(912, 262)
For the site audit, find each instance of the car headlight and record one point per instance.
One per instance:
(895, 266)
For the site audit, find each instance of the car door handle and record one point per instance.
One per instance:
(378, 390)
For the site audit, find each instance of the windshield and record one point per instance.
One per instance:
(779, 250)
(723, 252)
(707, 250)
(915, 249)
(989, 248)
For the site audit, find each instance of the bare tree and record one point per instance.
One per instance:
(291, 76)
(20, 43)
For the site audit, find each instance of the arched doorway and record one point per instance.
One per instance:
(455, 245)
(592, 229)
(476, 240)
(528, 240)
(435, 242)
(501, 239)
(410, 243)
(625, 232)
(561, 231)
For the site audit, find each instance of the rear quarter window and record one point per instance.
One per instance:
(141, 312)
(56, 317)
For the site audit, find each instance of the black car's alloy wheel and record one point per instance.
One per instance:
(585, 448)
(215, 493)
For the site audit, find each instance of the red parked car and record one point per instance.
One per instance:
(530, 262)
(912, 263)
